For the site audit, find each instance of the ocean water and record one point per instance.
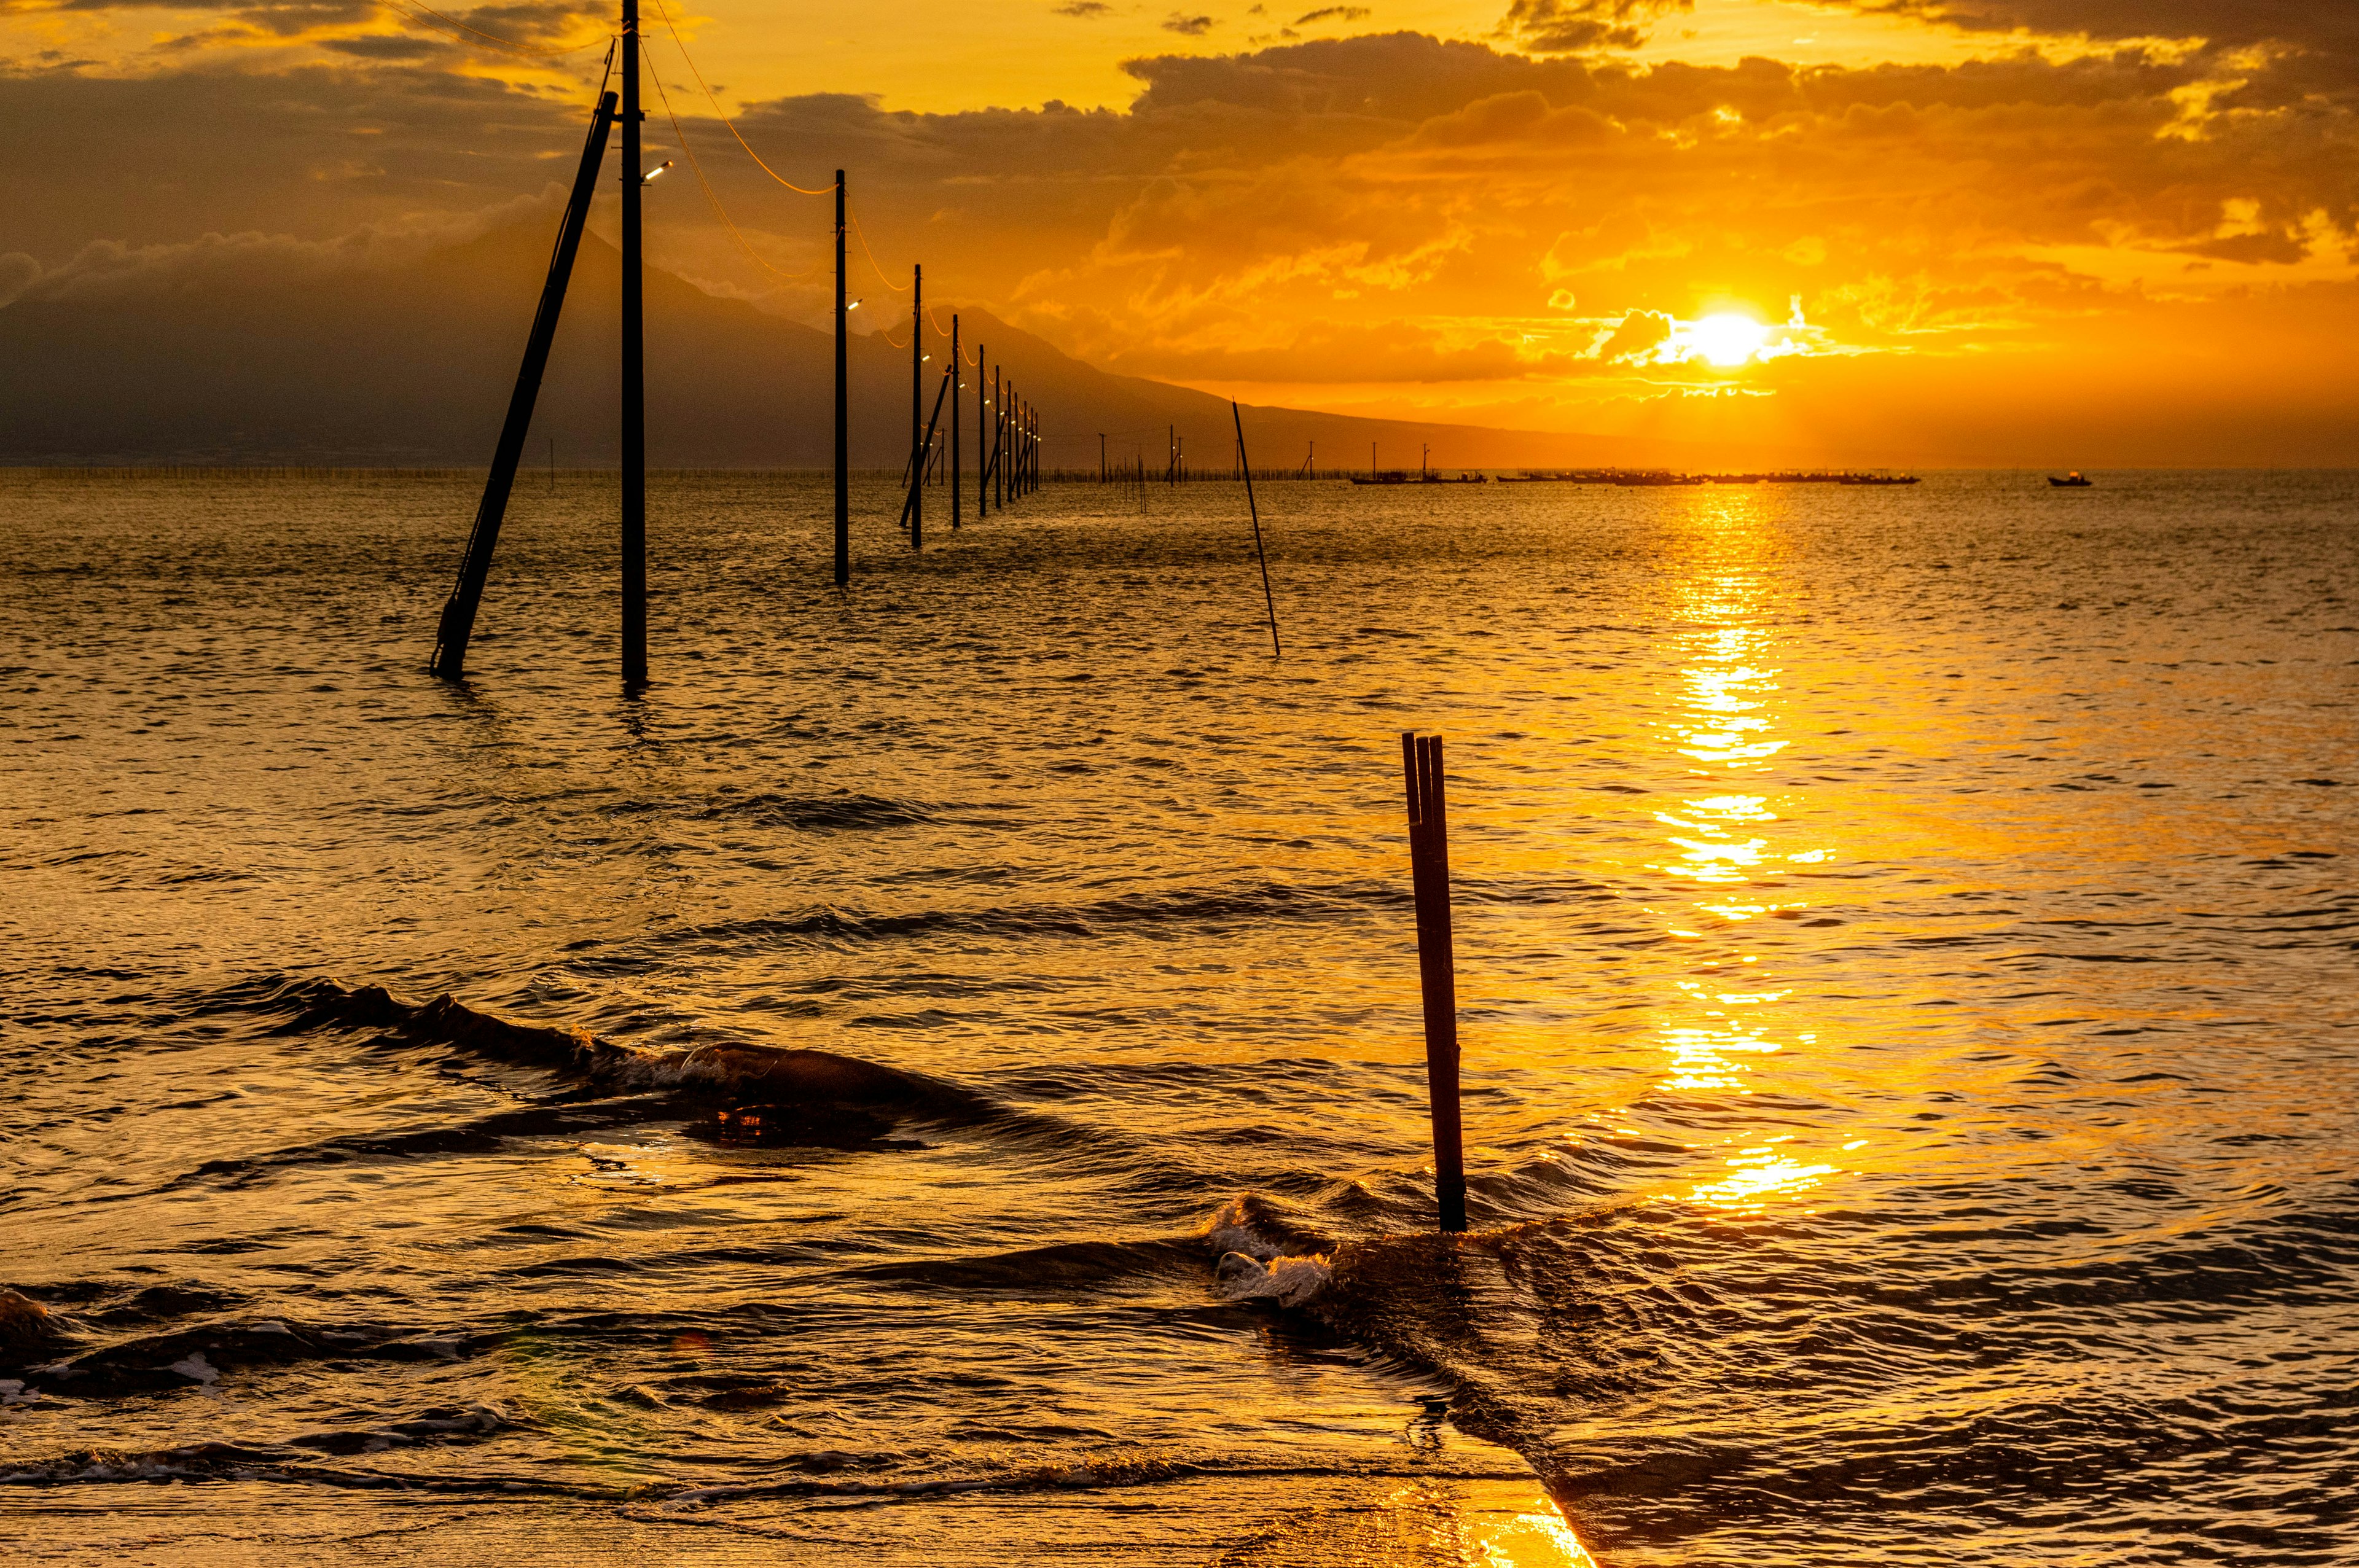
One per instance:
(1905, 945)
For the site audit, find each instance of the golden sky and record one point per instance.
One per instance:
(2048, 232)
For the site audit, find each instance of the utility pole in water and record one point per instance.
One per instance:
(958, 372)
(635, 373)
(843, 410)
(916, 392)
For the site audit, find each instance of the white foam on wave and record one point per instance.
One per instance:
(1256, 1266)
(1288, 1280)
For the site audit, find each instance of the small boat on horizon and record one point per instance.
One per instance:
(2076, 479)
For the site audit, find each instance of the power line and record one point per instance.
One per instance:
(698, 169)
(774, 174)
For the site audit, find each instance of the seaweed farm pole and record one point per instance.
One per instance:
(458, 624)
(843, 410)
(635, 372)
(998, 442)
(982, 441)
(1429, 853)
(957, 371)
(1244, 465)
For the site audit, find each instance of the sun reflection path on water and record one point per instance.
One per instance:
(1728, 843)
(1536, 1537)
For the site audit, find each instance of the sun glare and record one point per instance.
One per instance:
(1727, 339)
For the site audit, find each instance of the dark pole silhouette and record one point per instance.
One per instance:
(912, 517)
(982, 441)
(1429, 851)
(843, 410)
(635, 373)
(915, 517)
(957, 371)
(998, 442)
(459, 611)
(1244, 463)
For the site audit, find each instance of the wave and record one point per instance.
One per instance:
(197, 1356)
(790, 1076)
(839, 811)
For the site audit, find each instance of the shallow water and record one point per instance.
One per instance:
(1904, 944)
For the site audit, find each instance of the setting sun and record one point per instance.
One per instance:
(1727, 339)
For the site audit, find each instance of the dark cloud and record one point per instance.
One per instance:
(1084, 8)
(1330, 14)
(1569, 27)
(1192, 27)
(2321, 36)
(380, 46)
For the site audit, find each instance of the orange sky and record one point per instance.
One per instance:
(2038, 232)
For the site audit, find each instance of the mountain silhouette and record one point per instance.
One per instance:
(412, 364)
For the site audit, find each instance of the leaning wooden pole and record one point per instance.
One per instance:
(842, 407)
(635, 373)
(1244, 465)
(912, 518)
(458, 624)
(1429, 853)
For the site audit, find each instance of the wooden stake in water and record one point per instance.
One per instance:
(1245, 465)
(1436, 968)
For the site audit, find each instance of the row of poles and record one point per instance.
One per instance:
(1007, 426)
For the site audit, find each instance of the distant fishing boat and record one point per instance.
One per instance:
(1879, 479)
(2076, 479)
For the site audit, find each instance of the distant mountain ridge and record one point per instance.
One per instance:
(412, 365)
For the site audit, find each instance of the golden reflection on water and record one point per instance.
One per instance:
(1533, 1537)
(1726, 726)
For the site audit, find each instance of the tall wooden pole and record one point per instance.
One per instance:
(842, 407)
(981, 440)
(998, 442)
(918, 455)
(458, 624)
(1428, 840)
(958, 375)
(635, 373)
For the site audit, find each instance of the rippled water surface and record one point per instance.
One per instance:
(1906, 951)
